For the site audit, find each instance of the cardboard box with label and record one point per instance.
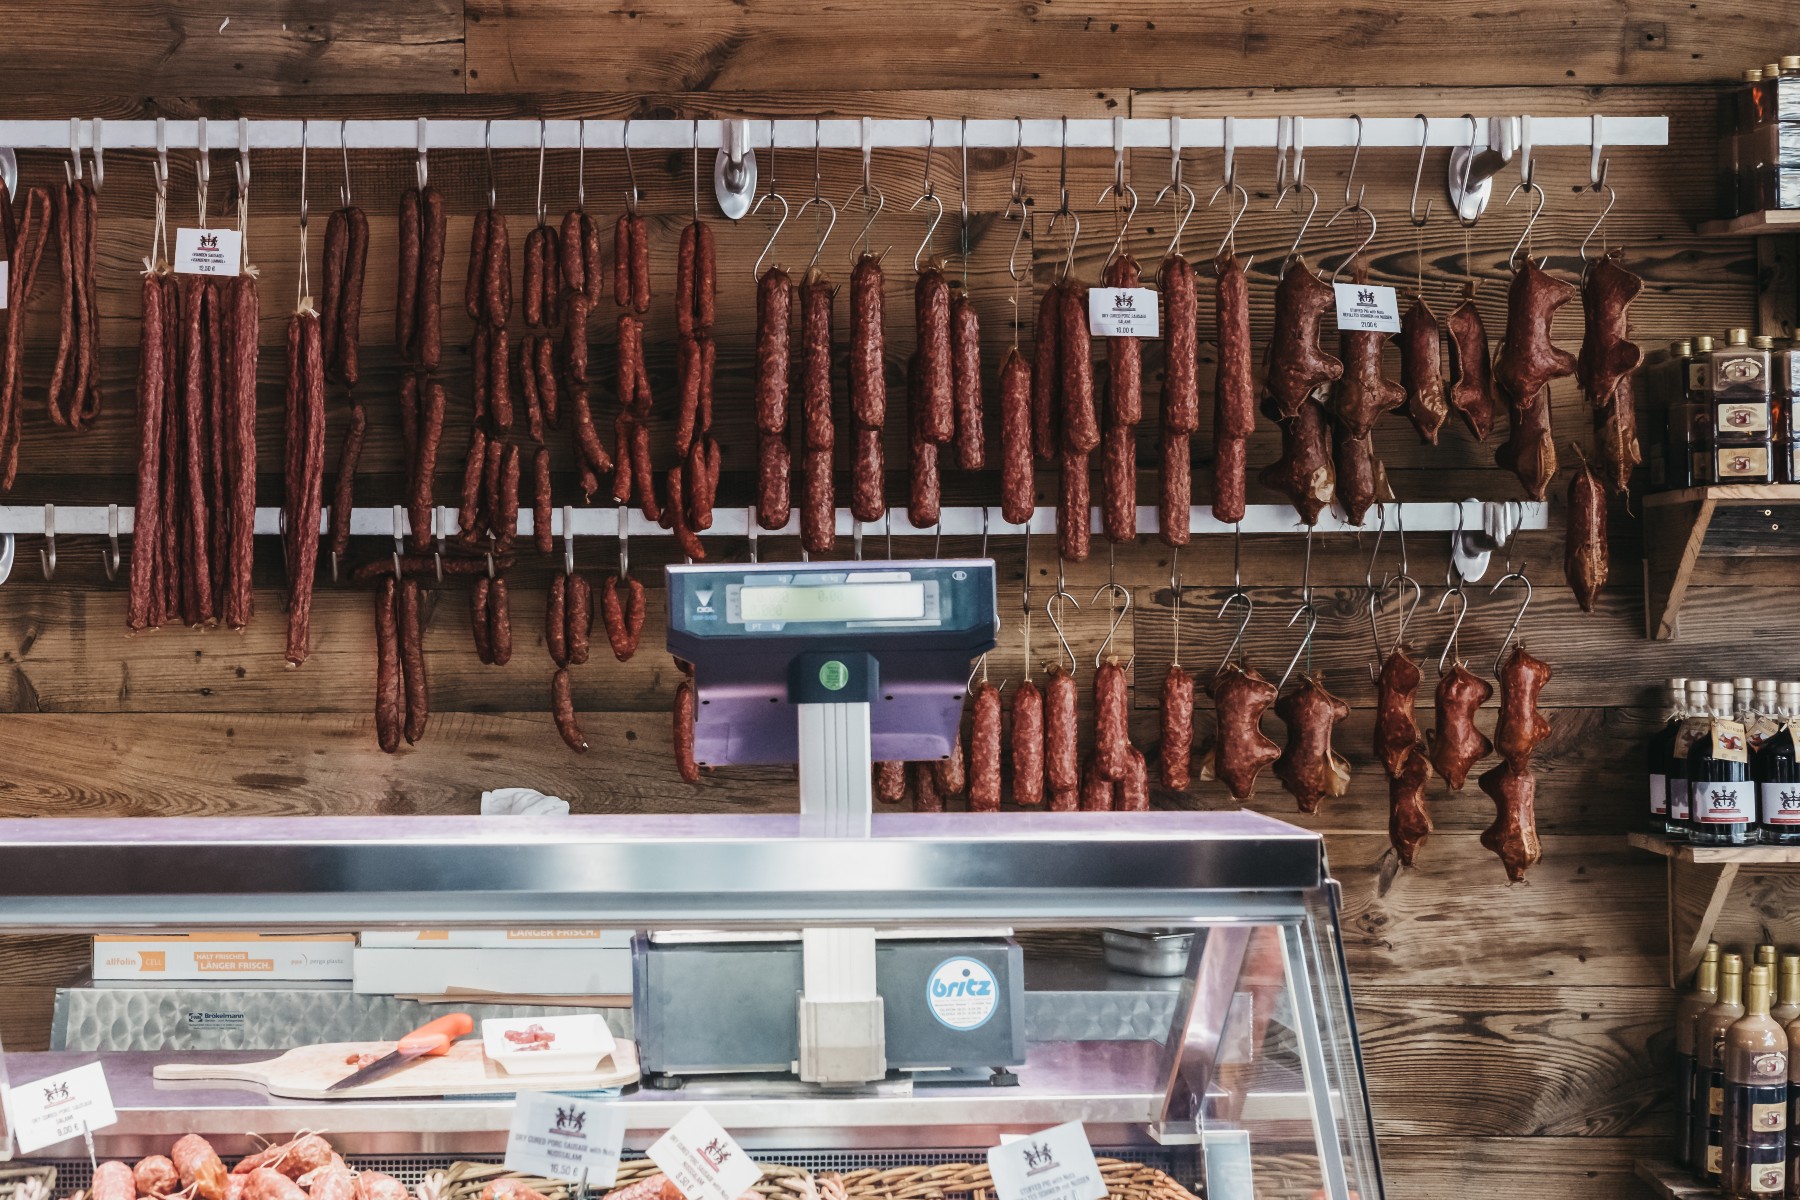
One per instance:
(312, 957)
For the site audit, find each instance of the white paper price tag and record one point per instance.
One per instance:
(5, 281)
(208, 251)
(1367, 308)
(1057, 1164)
(563, 1137)
(60, 1107)
(1122, 312)
(700, 1158)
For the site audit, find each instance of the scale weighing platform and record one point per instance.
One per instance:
(834, 666)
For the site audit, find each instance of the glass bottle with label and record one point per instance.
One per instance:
(1688, 1010)
(1777, 772)
(1662, 758)
(1670, 392)
(1697, 408)
(1760, 718)
(1783, 388)
(1709, 1068)
(1753, 1160)
(1740, 430)
(1721, 793)
(1787, 991)
(1694, 724)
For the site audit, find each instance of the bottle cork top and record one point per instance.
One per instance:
(1788, 689)
(1720, 689)
(1753, 75)
(1763, 341)
(1790, 62)
(1743, 683)
(1683, 348)
(1771, 70)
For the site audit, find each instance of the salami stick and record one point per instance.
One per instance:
(1124, 355)
(144, 609)
(240, 432)
(348, 364)
(412, 661)
(774, 304)
(343, 490)
(556, 620)
(580, 618)
(389, 706)
(984, 749)
(1080, 422)
(1046, 377)
(934, 415)
(1028, 745)
(540, 501)
(1016, 498)
(1181, 384)
(307, 403)
(406, 291)
(431, 277)
(431, 432)
(965, 333)
(685, 713)
(868, 378)
(197, 607)
(335, 264)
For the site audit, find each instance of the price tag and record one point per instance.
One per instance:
(1122, 312)
(60, 1107)
(1367, 308)
(208, 251)
(701, 1159)
(1057, 1164)
(563, 1137)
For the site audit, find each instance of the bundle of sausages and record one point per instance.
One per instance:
(196, 486)
(1512, 785)
(1065, 426)
(1299, 370)
(402, 702)
(26, 231)
(305, 1168)
(541, 286)
(340, 336)
(1402, 755)
(1527, 363)
(579, 276)
(74, 392)
(695, 485)
(868, 392)
(1180, 407)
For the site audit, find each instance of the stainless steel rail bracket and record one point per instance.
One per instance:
(1480, 164)
(734, 171)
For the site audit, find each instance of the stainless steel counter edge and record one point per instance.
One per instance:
(1021, 868)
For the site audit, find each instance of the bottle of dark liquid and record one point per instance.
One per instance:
(1787, 991)
(1678, 430)
(1707, 1127)
(1721, 793)
(1688, 1010)
(1662, 754)
(1697, 408)
(1694, 723)
(1739, 429)
(1777, 771)
(1753, 1159)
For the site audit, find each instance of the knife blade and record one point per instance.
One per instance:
(428, 1040)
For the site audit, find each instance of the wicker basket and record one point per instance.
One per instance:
(465, 1180)
(954, 1181)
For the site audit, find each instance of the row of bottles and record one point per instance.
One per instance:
(1759, 140)
(1727, 411)
(1724, 769)
(1734, 1084)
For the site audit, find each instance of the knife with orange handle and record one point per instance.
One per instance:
(429, 1040)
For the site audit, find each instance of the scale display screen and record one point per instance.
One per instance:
(834, 602)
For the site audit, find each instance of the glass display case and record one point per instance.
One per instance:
(1174, 981)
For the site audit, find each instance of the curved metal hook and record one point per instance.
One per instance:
(1311, 614)
(1237, 638)
(862, 235)
(929, 229)
(1074, 236)
(1012, 259)
(1181, 225)
(632, 195)
(1612, 198)
(1399, 584)
(1244, 207)
(1360, 246)
(1512, 260)
(109, 557)
(1056, 624)
(1118, 192)
(1118, 618)
(1412, 206)
(1524, 604)
(1294, 250)
(756, 271)
(1468, 162)
(1462, 610)
(487, 149)
(829, 226)
(1350, 175)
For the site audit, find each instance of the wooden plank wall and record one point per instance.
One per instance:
(1513, 1035)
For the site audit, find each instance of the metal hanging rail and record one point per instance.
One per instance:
(462, 133)
(961, 521)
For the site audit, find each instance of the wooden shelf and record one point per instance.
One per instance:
(1655, 843)
(1670, 1181)
(1778, 220)
(1675, 528)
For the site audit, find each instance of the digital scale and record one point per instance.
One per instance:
(834, 666)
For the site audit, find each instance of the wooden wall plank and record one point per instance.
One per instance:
(702, 45)
(178, 47)
(1546, 1168)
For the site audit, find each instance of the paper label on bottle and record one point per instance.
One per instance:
(1740, 462)
(1715, 1101)
(1680, 806)
(1054, 1164)
(1725, 803)
(1659, 795)
(1767, 1179)
(208, 251)
(1714, 1156)
(702, 1160)
(1730, 743)
(1367, 308)
(1122, 312)
(565, 1137)
(1780, 804)
(1699, 377)
(1737, 371)
(58, 1107)
(1741, 416)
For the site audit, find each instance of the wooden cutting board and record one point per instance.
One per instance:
(304, 1073)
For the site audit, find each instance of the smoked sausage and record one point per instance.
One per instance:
(1528, 359)
(1177, 748)
(965, 337)
(1471, 369)
(1112, 721)
(1456, 745)
(1585, 550)
(1420, 373)
(984, 749)
(1017, 501)
(1180, 409)
(1513, 835)
(1062, 762)
(1298, 364)
(1240, 696)
(1309, 768)
(1028, 745)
